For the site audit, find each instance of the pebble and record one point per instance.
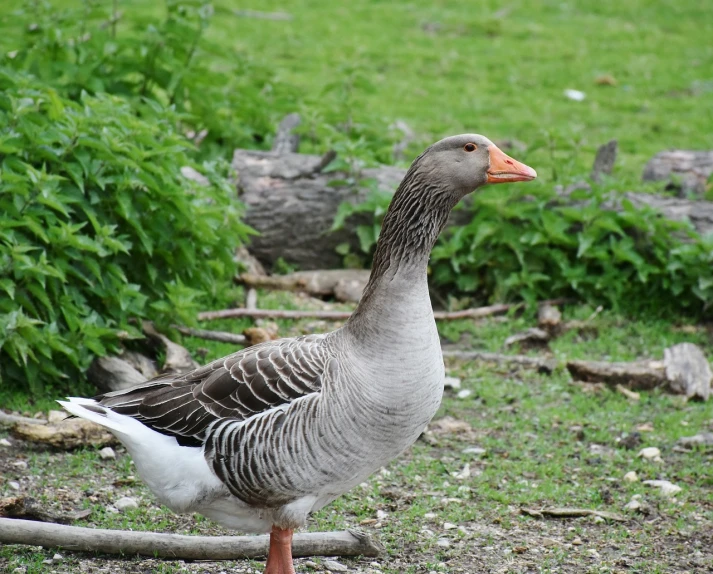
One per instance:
(577, 542)
(443, 542)
(430, 515)
(650, 453)
(57, 557)
(633, 505)
(126, 503)
(310, 564)
(464, 394)
(107, 452)
(19, 464)
(666, 488)
(463, 474)
(631, 476)
(335, 566)
(452, 383)
(381, 515)
(5, 442)
(14, 485)
(575, 95)
(449, 526)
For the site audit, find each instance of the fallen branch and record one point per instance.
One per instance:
(221, 336)
(66, 435)
(27, 508)
(543, 365)
(475, 313)
(7, 420)
(344, 543)
(571, 513)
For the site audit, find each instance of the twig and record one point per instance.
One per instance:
(546, 365)
(344, 543)
(571, 513)
(476, 313)
(9, 420)
(221, 336)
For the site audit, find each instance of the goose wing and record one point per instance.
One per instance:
(239, 386)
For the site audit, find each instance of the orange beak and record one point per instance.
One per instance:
(504, 169)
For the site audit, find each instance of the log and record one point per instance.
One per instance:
(7, 420)
(683, 371)
(175, 546)
(543, 365)
(685, 171)
(290, 201)
(69, 434)
(113, 374)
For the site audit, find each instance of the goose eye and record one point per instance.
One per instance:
(470, 147)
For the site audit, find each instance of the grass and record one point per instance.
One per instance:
(498, 68)
(546, 441)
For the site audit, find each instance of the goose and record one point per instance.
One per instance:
(258, 440)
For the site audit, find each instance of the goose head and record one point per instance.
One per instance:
(466, 162)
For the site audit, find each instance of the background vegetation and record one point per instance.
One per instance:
(104, 101)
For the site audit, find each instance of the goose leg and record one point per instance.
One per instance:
(279, 556)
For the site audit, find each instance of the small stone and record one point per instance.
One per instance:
(430, 515)
(449, 526)
(57, 557)
(577, 542)
(464, 394)
(475, 450)
(311, 565)
(593, 552)
(463, 474)
(106, 453)
(597, 519)
(650, 453)
(334, 566)
(633, 505)
(451, 383)
(112, 510)
(5, 442)
(126, 503)
(381, 515)
(443, 542)
(374, 564)
(19, 464)
(547, 542)
(575, 95)
(666, 488)
(631, 476)
(14, 485)
(47, 561)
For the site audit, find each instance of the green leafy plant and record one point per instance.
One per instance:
(520, 247)
(99, 226)
(226, 99)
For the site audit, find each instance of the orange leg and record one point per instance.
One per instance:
(279, 557)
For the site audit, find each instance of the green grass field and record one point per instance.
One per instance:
(497, 68)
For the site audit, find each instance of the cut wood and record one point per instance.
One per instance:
(69, 434)
(684, 370)
(541, 364)
(571, 513)
(113, 374)
(686, 171)
(604, 161)
(688, 371)
(175, 546)
(220, 336)
(7, 420)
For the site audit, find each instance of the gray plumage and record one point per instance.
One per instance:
(271, 433)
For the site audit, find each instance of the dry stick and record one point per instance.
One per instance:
(475, 313)
(344, 543)
(536, 362)
(221, 336)
(9, 420)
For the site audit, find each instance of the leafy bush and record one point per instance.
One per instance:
(522, 248)
(226, 98)
(98, 226)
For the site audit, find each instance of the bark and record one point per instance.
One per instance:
(174, 546)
